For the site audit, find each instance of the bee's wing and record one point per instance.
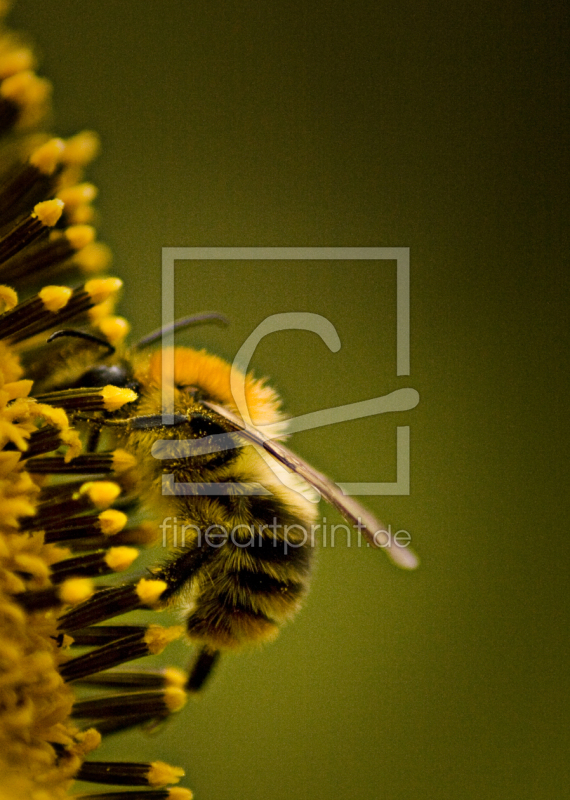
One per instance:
(373, 530)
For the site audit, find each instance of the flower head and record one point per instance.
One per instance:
(56, 528)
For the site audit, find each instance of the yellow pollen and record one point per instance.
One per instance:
(78, 194)
(112, 521)
(175, 677)
(94, 257)
(115, 329)
(48, 156)
(48, 212)
(101, 493)
(115, 398)
(157, 637)
(177, 793)
(121, 558)
(81, 148)
(102, 288)
(76, 590)
(55, 298)
(149, 590)
(175, 698)
(16, 61)
(8, 298)
(80, 236)
(161, 774)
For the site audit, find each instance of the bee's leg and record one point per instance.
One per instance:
(94, 428)
(93, 439)
(201, 669)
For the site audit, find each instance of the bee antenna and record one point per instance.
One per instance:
(185, 322)
(89, 337)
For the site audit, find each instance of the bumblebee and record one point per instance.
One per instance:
(236, 517)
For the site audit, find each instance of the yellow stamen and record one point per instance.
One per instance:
(115, 329)
(81, 148)
(48, 212)
(48, 156)
(102, 288)
(80, 236)
(101, 493)
(94, 257)
(121, 558)
(112, 521)
(114, 398)
(149, 590)
(8, 298)
(161, 774)
(55, 298)
(76, 590)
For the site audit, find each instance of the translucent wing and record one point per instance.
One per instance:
(373, 530)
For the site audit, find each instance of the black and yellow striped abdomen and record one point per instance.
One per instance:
(255, 580)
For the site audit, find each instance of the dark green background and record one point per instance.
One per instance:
(440, 127)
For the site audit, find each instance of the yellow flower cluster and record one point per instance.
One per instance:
(45, 234)
(35, 703)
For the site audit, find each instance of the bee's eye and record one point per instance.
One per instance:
(102, 375)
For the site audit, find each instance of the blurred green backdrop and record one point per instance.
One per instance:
(439, 127)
